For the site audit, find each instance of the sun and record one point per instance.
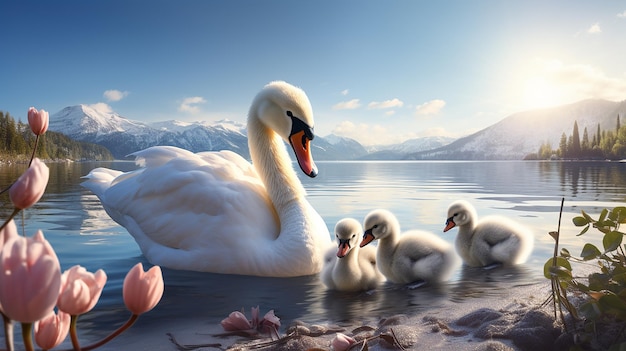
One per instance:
(540, 92)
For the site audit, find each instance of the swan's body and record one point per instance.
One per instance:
(492, 240)
(413, 256)
(216, 212)
(349, 267)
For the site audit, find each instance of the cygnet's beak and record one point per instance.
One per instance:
(344, 247)
(368, 237)
(449, 224)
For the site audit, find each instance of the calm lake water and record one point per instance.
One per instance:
(417, 192)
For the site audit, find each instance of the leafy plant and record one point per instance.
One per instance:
(603, 292)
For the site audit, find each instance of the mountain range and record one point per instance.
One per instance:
(512, 138)
(522, 133)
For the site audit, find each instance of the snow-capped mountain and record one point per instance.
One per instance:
(512, 138)
(411, 146)
(123, 136)
(522, 133)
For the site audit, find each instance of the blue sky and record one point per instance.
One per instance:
(377, 71)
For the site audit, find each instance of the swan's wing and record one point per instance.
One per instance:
(182, 200)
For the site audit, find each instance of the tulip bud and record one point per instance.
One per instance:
(38, 120)
(30, 277)
(142, 290)
(52, 330)
(80, 290)
(30, 186)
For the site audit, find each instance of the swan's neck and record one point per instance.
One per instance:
(386, 250)
(273, 164)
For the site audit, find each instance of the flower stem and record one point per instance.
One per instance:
(120, 330)
(27, 335)
(8, 332)
(73, 333)
(34, 150)
(15, 212)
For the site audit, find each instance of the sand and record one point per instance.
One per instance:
(516, 322)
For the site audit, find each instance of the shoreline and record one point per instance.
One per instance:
(514, 322)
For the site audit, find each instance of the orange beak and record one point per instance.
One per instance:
(449, 224)
(301, 147)
(344, 247)
(368, 237)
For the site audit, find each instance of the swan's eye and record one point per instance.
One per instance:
(375, 226)
(297, 125)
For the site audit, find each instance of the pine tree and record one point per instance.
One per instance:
(562, 152)
(585, 147)
(575, 152)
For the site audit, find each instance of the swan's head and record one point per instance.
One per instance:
(459, 213)
(286, 110)
(378, 224)
(348, 232)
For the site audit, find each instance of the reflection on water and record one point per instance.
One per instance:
(417, 192)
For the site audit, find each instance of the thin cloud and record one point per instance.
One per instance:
(594, 29)
(430, 108)
(345, 92)
(364, 133)
(101, 107)
(578, 81)
(385, 104)
(114, 95)
(622, 15)
(347, 105)
(190, 104)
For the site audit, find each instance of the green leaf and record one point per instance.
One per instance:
(590, 309)
(590, 252)
(562, 263)
(583, 231)
(621, 214)
(603, 215)
(614, 304)
(589, 219)
(612, 240)
(580, 221)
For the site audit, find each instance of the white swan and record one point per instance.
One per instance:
(413, 256)
(216, 212)
(492, 240)
(351, 268)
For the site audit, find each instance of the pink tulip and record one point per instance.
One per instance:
(80, 290)
(30, 186)
(7, 233)
(52, 330)
(270, 323)
(38, 120)
(30, 277)
(342, 342)
(142, 290)
(236, 321)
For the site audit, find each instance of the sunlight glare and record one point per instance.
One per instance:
(540, 92)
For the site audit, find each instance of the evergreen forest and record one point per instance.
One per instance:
(17, 140)
(600, 145)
